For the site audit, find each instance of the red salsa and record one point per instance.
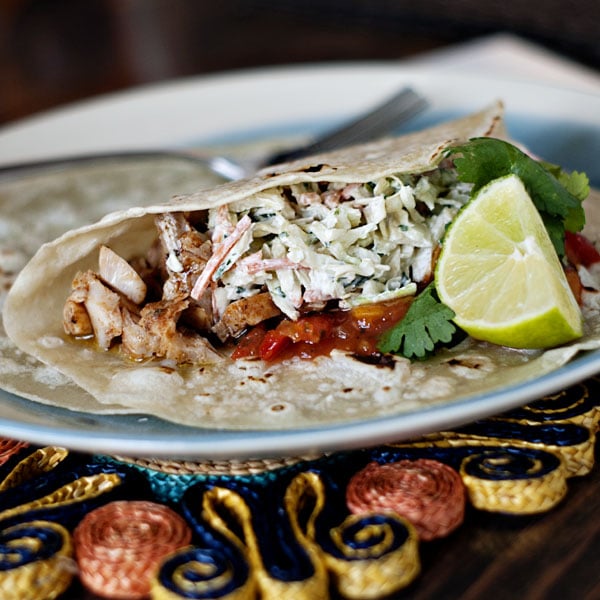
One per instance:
(355, 331)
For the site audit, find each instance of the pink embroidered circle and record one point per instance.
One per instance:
(10, 447)
(120, 546)
(428, 493)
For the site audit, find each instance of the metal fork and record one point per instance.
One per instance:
(378, 121)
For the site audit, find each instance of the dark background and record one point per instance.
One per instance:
(58, 51)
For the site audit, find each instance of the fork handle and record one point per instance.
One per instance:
(61, 161)
(374, 123)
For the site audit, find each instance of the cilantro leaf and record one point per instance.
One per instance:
(426, 323)
(575, 182)
(557, 195)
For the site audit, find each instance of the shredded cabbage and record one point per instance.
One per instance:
(311, 243)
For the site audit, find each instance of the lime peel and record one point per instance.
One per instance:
(527, 302)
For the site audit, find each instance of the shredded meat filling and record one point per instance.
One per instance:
(244, 313)
(156, 333)
(146, 304)
(93, 308)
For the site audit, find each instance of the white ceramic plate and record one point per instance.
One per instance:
(257, 107)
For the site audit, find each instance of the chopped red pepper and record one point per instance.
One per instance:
(356, 330)
(273, 344)
(574, 283)
(377, 317)
(249, 345)
(310, 329)
(579, 250)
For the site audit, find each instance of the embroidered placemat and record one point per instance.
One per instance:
(349, 523)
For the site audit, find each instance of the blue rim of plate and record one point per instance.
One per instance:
(140, 435)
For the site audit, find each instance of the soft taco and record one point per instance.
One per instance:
(260, 304)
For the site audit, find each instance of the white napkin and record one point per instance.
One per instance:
(511, 57)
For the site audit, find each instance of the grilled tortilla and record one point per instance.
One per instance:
(185, 373)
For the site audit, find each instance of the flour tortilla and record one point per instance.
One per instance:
(251, 394)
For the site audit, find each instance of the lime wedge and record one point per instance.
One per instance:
(499, 272)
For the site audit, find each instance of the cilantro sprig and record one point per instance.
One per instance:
(427, 323)
(557, 195)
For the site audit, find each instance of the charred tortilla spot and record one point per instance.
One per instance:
(467, 363)
(441, 149)
(316, 168)
(377, 360)
(471, 367)
(278, 407)
(493, 126)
